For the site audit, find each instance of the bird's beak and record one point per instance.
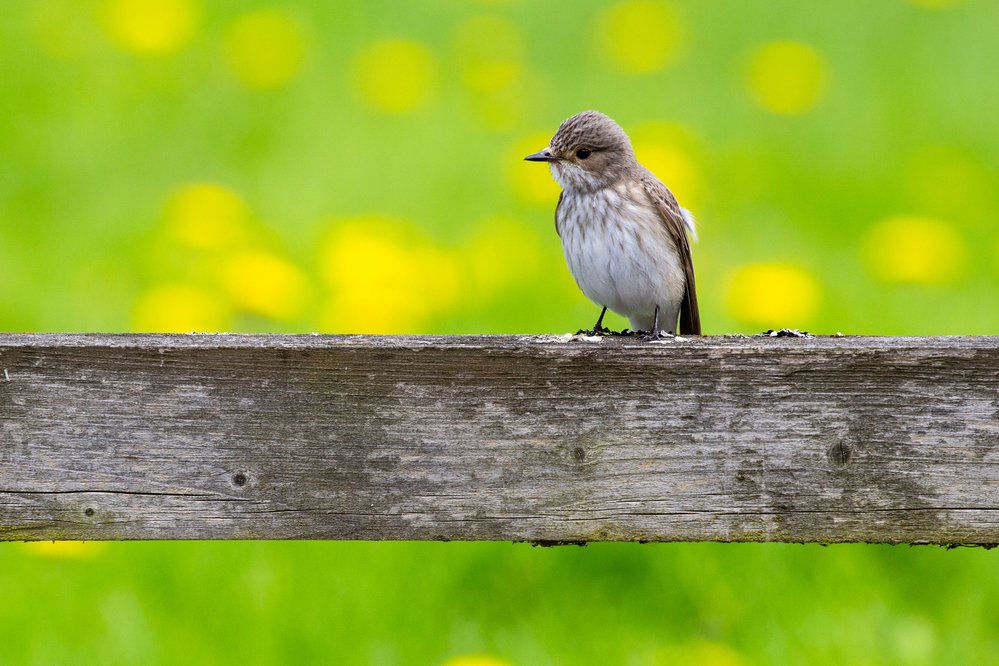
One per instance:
(544, 156)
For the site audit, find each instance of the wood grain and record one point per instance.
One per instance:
(499, 437)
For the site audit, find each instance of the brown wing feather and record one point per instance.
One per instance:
(557, 206)
(669, 211)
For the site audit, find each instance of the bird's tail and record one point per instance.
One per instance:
(689, 222)
(690, 318)
(690, 315)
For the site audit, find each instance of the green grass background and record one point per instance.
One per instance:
(96, 138)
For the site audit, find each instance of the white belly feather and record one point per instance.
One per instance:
(621, 255)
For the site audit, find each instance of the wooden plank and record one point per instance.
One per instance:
(499, 437)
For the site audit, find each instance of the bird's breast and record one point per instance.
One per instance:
(618, 250)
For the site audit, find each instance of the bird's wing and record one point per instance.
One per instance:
(557, 206)
(672, 217)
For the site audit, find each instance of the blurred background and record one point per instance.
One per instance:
(297, 166)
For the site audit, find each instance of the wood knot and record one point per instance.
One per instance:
(239, 479)
(839, 454)
(89, 512)
(579, 454)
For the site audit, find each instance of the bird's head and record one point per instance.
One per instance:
(589, 151)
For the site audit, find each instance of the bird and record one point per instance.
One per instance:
(624, 236)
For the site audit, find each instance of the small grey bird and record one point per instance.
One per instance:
(623, 234)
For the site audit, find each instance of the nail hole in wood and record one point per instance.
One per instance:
(839, 454)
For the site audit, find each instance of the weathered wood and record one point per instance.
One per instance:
(505, 437)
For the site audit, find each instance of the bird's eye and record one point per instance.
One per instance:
(583, 153)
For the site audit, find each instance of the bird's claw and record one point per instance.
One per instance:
(649, 336)
(596, 331)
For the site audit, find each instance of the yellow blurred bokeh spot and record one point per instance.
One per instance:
(265, 49)
(206, 215)
(179, 308)
(500, 252)
(64, 549)
(916, 250)
(773, 295)
(532, 181)
(711, 653)
(492, 69)
(151, 26)
(265, 284)
(395, 75)
(676, 169)
(699, 651)
(476, 660)
(787, 77)
(668, 150)
(385, 276)
(639, 36)
(488, 52)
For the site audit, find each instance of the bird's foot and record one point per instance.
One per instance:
(596, 331)
(649, 336)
